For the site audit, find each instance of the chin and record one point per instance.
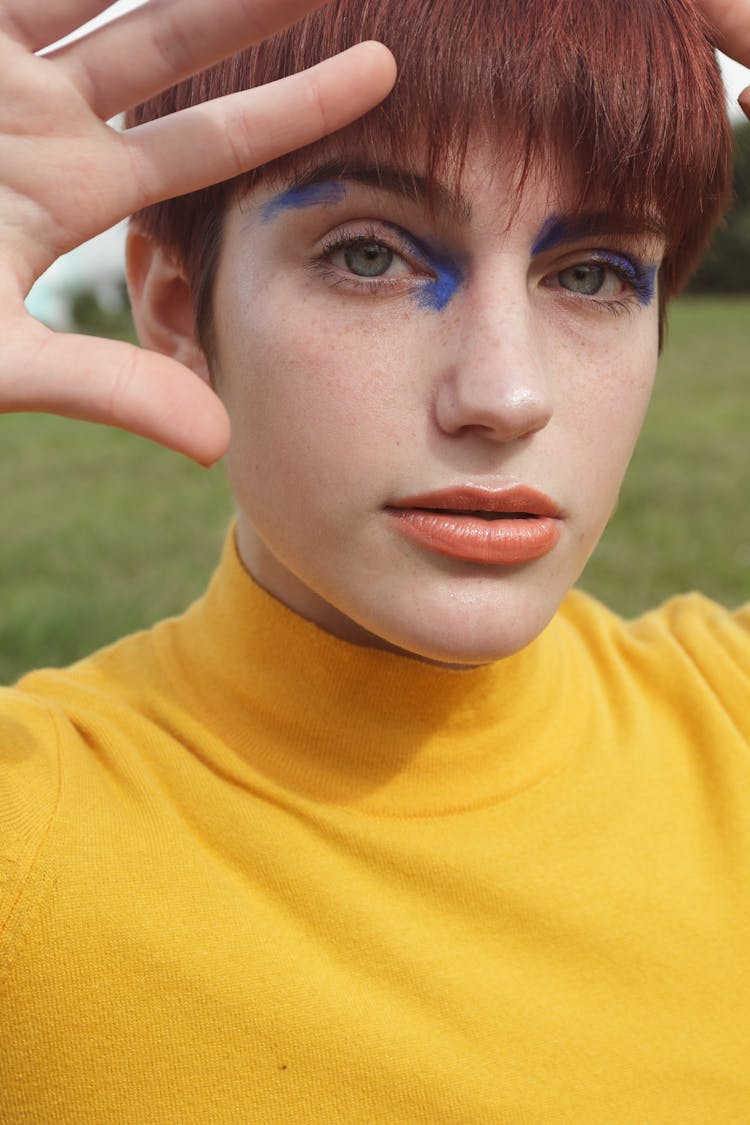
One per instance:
(466, 652)
(460, 636)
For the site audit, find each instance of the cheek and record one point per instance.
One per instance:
(608, 414)
(309, 392)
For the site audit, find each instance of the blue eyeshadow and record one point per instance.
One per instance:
(558, 230)
(641, 277)
(646, 287)
(436, 294)
(439, 293)
(314, 195)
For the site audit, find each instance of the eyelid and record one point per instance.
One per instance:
(621, 263)
(637, 267)
(637, 261)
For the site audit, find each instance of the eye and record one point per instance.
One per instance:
(608, 279)
(591, 279)
(382, 261)
(582, 279)
(367, 259)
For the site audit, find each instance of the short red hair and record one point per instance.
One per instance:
(625, 94)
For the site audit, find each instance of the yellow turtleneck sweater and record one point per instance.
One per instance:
(249, 873)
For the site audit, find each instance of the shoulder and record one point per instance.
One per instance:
(690, 625)
(64, 735)
(29, 761)
(30, 782)
(689, 655)
(50, 713)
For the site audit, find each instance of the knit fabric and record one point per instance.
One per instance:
(251, 873)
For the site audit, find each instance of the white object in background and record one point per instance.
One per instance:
(98, 265)
(736, 79)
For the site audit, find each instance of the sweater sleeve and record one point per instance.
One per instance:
(29, 791)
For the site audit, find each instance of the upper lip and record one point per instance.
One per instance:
(472, 498)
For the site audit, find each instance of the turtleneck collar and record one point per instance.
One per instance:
(373, 730)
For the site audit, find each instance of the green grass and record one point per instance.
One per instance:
(105, 533)
(683, 522)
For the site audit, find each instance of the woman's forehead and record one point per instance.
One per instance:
(504, 184)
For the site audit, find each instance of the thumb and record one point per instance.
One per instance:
(744, 100)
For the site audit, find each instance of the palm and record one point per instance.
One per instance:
(66, 175)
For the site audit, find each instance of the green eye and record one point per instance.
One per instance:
(368, 259)
(584, 279)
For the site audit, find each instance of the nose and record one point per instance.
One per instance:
(495, 382)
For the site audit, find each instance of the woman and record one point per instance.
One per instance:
(389, 826)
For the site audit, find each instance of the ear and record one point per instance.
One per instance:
(161, 302)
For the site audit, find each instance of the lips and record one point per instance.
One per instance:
(498, 527)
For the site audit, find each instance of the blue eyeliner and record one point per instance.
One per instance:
(327, 194)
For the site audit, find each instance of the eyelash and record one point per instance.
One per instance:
(630, 273)
(344, 240)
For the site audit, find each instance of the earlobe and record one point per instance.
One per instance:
(161, 302)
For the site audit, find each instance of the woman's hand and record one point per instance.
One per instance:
(731, 20)
(65, 176)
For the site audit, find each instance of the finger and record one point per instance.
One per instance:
(167, 41)
(37, 23)
(744, 100)
(730, 19)
(115, 384)
(245, 130)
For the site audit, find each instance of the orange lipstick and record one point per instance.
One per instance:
(497, 527)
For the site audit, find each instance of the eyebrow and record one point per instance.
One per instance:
(559, 230)
(403, 182)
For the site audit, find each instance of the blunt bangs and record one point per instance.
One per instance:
(624, 99)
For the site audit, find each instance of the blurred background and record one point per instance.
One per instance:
(110, 533)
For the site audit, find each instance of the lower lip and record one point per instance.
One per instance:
(470, 538)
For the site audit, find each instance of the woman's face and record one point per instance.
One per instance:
(432, 410)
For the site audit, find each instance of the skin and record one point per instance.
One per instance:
(65, 176)
(417, 393)
(730, 20)
(344, 400)
(48, 206)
